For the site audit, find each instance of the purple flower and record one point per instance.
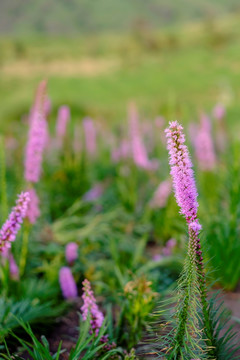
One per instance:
(90, 136)
(181, 171)
(161, 195)
(90, 308)
(168, 248)
(37, 137)
(33, 211)
(185, 188)
(11, 227)
(204, 147)
(139, 151)
(67, 283)
(71, 252)
(157, 257)
(94, 193)
(62, 120)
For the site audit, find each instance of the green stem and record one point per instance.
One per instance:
(208, 326)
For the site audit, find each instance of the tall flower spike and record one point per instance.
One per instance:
(186, 195)
(139, 151)
(90, 136)
(204, 147)
(181, 171)
(37, 137)
(90, 307)
(33, 211)
(67, 283)
(62, 121)
(11, 227)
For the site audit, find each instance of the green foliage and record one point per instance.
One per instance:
(87, 345)
(137, 303)
(221, 236)
(28, 310)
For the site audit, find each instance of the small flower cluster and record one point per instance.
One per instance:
(10, 229)
(90, 307)
(62, 121)
(94, 193)
(67, 283)
(96, 316)
(71, 252)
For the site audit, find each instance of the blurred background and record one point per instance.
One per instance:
(172, 58)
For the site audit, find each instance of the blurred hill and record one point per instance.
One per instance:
(71, 17)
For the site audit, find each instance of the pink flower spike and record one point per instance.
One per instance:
(11, 227)
(33, 211)
(90, 307)
(90, 136)
(139, 151)
(37, 138)
(181, 171)
(62, 121)
(67, 283)
(71, 252)
(94, 193)
(204, 147)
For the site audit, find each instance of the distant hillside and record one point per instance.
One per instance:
(21, 17)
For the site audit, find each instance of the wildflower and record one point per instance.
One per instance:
(204, 147)
(37, 139)
(90, 136)
(90, 307)
(185, 190)
(62, 120)
(168, 248)
(219, 113)
(33, 211)
(157, 257)
(10, 229)
(94, 193)
(139, 151)
(161, 195)
(71, 252)
(181, 171)
(67, 283)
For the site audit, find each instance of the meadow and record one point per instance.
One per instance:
(120, 240)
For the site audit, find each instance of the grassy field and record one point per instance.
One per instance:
(173, 72)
